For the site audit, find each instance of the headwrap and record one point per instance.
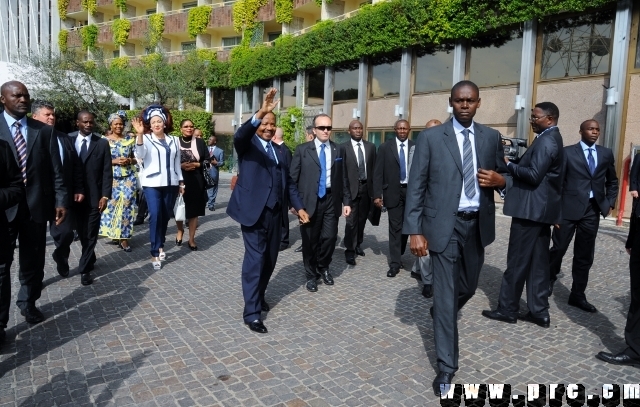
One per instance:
(120, 114)
(154, 111)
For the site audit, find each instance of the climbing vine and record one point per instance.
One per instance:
(245, 13)
(122, 5)
(284, 11)
(120, 28)
(63, 6)
(292, 130)
(156, 28)
(90, 5)
(63, 37)
(198, 19)
(89, 35)
(119, 63)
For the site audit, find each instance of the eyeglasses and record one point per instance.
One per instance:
(324, 128)
(536, 118)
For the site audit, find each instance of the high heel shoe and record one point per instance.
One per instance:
(126, 249)
(193, 248)
(178, 242)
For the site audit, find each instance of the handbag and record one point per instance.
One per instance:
(178, 210)
(209, 182)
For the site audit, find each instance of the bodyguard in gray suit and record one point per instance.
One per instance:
(450, 211)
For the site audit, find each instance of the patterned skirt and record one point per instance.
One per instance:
(117, 220)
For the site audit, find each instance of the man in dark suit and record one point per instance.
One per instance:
(216, 161)
(309, 136)
(317, 168)
(11, 193)
(390, 189)
(534, 203)
(35, 149)
(278, 143)
(451, 213)
(256, 203)
(590, 190)
(359, 162)
(95, 156)
(62, 234)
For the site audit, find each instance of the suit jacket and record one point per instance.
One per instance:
(255, 178)
(96, 168)
(218, 154)
(435, 184)
(11, 185)
(537, 181)
(634, 175)
(578, 181)
(305, 171)
(386, 177)
(45, 188)
(73, 173)
(351, 165)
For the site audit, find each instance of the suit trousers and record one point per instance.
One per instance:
(527, 261)
(319, 238)
(632, 329)
(584, 245)
(142, 206)
(212, 194)
(31, 256)
(284, 235)
(62, 235)
(261, 246)
(160, 201)
(357, 220)
(88, 227)
(397, 241)
(455, 279)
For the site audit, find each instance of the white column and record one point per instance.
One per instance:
(23, 47)
(617, 81)
(459, 61)
(301, 89)
(208, 101)
(405, 84)
(54, 24)
(363, 90)
(329, 83)
(524, 99)
(34, 22)
(4, 31)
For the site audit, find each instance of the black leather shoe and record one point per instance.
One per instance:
(431, 312)
(427, 291)
(312, 285)
(86, 279)
(283, 247)
(62, 265)
(138, 222)
(257, 326)
(541, 321)
(32, 314)
(298, 249)
(583, 304)
(359, 251)
(3, 336)
(265, 307)
(442, 383)
(392, 272)
(350, 260)
(618, 359)
(499, 316)
(417, 276)
(327, 278)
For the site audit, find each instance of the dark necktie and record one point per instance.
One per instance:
(467, 166)
(322, 185)
(403, 163)
(592, 162)
(21, 149)
(83, 150)
(270, 152)
(362, 174)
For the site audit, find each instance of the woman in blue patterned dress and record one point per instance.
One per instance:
(117, 220)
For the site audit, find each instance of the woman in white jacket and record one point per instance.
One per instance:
(161, 176)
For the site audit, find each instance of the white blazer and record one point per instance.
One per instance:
(156, 172)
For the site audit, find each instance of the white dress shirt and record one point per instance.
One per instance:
(466, 203)
(355, 150)
(594, 153)
(23, 125)
(327, 153)
(406, 158)
(78, 142)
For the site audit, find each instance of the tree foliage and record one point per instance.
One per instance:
(201, 120)
(89, 35)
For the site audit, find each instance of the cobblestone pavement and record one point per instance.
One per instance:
(176, 337)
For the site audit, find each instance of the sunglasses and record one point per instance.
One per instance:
(324, 128)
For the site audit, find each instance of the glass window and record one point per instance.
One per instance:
(434, 69)
(638, 49)
(340, 137)
(388, 135)
(315, 81)
(288, 91)
(577, 46)
(346, 82)
(247, 99)
(190, 4)
(495, 59)
(150, 11)
(223, 100)
(116, 53)
(385, 75)
(231, 41)
(414, 134)
(263, 87)
(273, 35)
(188, 46)
(375, 137)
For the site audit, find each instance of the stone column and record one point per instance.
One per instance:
(524, 99)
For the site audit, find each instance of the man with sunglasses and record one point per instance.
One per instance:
(535, 204)
(317, 169)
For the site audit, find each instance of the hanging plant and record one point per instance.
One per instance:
(63, 5)
(156, 28)
(284, 11)
(120, 30)
(119, 63)
(89, 35)
(198, 20)
(63, 37)
(245, 13)
(122, 5)
(90, 5)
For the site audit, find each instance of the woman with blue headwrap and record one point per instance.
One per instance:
(116, 221)
(161, 175)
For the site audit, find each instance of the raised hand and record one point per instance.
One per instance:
(269, 103)
(137, 125)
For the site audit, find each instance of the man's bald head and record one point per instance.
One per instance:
(432, 123)
(15, 98)
(278, 136)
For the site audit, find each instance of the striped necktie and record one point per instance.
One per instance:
(467, 166)
(21, 148)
